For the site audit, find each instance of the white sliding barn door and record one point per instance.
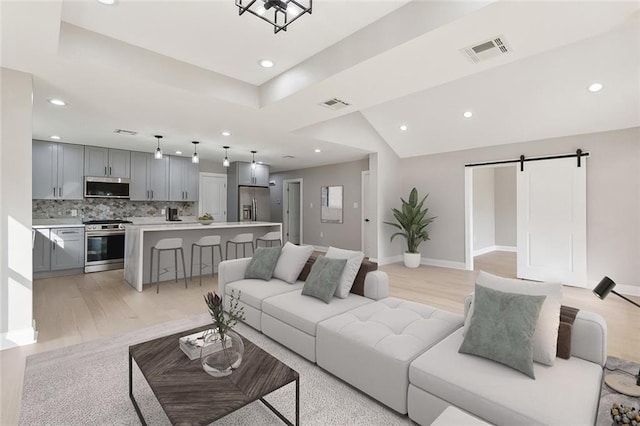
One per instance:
(552, 221)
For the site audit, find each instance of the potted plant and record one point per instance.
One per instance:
(412, 221)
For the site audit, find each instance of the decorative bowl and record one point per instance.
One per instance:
(205, 222)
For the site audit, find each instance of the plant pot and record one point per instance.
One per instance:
(412, 260)
(220, 357)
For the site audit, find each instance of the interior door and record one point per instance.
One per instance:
(552, 225)
(213, 196)
(367, 209)
(292, 217)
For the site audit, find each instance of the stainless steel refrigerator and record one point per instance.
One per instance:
(253, 204)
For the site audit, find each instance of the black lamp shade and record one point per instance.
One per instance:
(604, 287)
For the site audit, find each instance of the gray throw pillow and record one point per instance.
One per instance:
(324, 278)
(502, 327)
(263, 263)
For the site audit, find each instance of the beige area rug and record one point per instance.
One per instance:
(87, 384)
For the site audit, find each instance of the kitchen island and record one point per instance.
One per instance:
(140, 238)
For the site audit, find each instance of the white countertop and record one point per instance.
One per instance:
(160, 220)
(169, 226)
(57, 223)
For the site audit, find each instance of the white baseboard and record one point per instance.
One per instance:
(424, 261)
(15, 338)
(494, 248)
(388, 260)
(506, 248)
(443, 263)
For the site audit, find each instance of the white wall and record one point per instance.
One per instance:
(505, 206)
(16, 284)
(613, 198)
(484, 221)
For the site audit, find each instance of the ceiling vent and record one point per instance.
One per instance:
(495, 46)
(288, 156)
(125, 132)
(335, 104)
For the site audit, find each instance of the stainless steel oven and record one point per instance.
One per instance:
(104, 245)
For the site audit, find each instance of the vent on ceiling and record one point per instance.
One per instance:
(334, 104)
(125, 132)
(288, 156)
(495, 46)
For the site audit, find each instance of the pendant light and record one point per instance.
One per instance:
(158, 154)
(253, 159)
(225, 162)
(195, 159)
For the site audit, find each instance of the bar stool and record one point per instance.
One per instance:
(240, 239)
(270, 237)
(207, 241)
(167, 244)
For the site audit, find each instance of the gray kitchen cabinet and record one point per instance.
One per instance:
(183, 179)
(149, 177)
(250, 176)
(56, 249)
(107, 162)
(57, 171)
(41, 250)
(261, 175)
(67, 248)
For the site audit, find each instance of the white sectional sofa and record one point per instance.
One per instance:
(405, 354)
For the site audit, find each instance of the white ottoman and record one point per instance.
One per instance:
(371, 347)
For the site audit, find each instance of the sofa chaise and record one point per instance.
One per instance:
(405, 354)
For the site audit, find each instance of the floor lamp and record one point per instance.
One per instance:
(618, 382)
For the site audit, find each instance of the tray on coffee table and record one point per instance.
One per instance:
(188, 395)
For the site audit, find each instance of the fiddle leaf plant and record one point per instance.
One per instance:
(412, 221)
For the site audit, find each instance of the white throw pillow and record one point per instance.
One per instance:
(291, 261)
(354, 260)
(545, 337)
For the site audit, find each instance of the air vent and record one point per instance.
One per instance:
(335, 104)
(125, 132)
(288, 156)
(487, 49)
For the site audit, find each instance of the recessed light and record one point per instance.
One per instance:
(595, 87)
(225, 133)
(108, 2)
(317, 150)
(403, 128)
(55, 137)
(57, 102)
(266, 63)
(179, 152)
(467, 114)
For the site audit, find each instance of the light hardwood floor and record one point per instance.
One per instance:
(80, 308)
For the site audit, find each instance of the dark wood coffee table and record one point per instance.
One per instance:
(188, 395)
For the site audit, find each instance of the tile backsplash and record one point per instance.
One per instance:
(106, 208)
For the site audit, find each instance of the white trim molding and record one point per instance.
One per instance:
(628, 290)
(443, 263)
(15, 338)
(494, 248)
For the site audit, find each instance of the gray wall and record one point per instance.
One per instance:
(345, 235)
(484, 220)
(613, 197)
(505, 206)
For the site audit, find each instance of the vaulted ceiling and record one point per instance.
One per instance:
(189, 70)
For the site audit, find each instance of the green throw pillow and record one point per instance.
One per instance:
(324, 278)
(501, 328)
(263, 263)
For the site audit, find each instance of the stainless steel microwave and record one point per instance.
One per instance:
(106, 187)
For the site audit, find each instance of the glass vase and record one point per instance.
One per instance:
(220, 357)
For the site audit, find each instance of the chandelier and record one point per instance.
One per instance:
(279, 13)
